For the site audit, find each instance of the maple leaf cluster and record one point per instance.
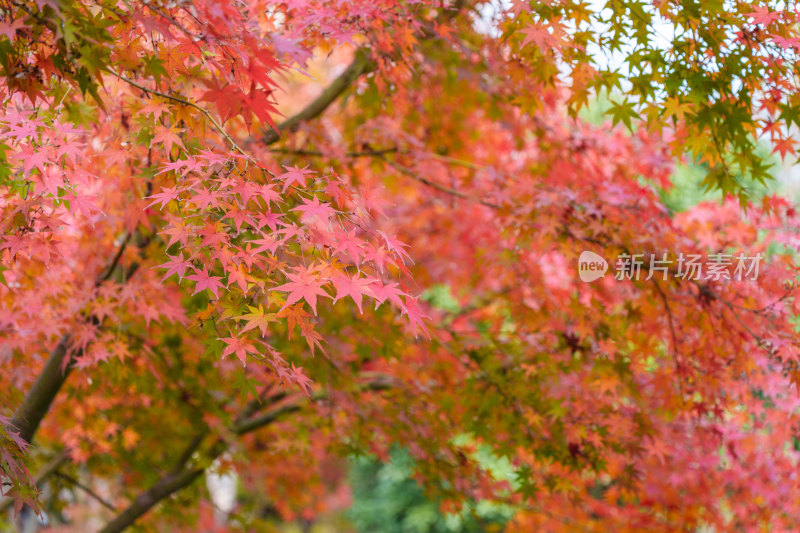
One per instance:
(234, 220)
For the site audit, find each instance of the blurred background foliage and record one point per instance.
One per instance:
(386, 499)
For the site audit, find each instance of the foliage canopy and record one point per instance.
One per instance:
(212, 260)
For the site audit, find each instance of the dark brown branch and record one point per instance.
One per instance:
(177, 480)
(163, 488)
(260, 421)
(44, 390)
(361, 64)
(187, 453)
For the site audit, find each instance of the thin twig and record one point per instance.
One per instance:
(85, 488)
(439, 187)
(674, 347)
(185, 102)
(317, 153)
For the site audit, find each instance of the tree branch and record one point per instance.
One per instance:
(317, 153)
(181, 101)
(163, 488)
(438, 186)
(85, 488)
(361, 64)
(177, 480)
(44, 390)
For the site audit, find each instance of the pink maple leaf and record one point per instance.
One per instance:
(294, 175)
(303, 285)
(413, 310)
(176, 265)
(240, 347)
(396, 246)
(205, 281)
(81, 202)
(271, 220)
(165, 196)
(168, 137)
(70, 148)
(269, 194)
(387, 292)
(538, 35)
(348, 242)
(10, 30)
(786, 43)
(33, 158)
(203, 198)
(762, 15)
(266, 244)
(313, 208)
(300, 379)
(379, 257)
(356, 288)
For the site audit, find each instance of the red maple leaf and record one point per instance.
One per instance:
(238, 346)
(412, 309)
(176, 265)
(390, 292)
(347, 241)
(166, 195)
(205, 281)
(304, 285)
(353, 287)
(168, 136)
(762, 15)
(396, 246)
(785, 147)
(82, 202)
(538, 35)
(313, 208)
(294, 175)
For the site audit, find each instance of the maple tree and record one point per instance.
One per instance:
(196, 278)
